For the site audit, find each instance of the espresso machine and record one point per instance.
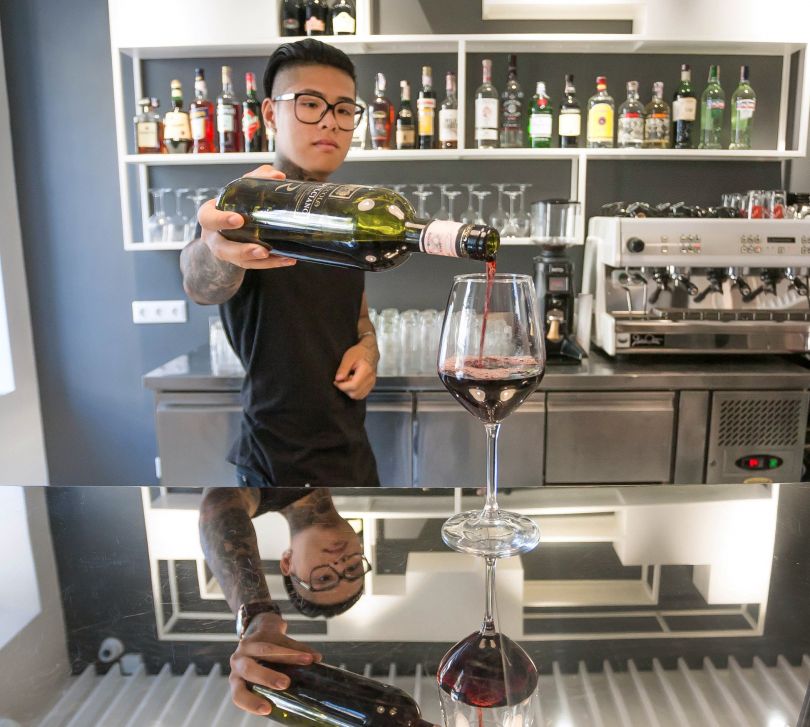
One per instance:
(692, 285)
(555, 225)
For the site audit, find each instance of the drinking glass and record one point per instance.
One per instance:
(524, 219)
(487, 680)
(422, 195)
(451, 201)
(490, 376)
(175, 228)
(430, 329)
(756, 209)
(510, 229)
(481, 196)
(775, 204)
(388, 342)
(442, 213)
(409, 342)
(156, 224)
(468, 216)
(498, 218)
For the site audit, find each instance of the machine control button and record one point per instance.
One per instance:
(757, 248)
(635, 244)
(665, 250)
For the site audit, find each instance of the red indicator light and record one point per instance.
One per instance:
(753, 462)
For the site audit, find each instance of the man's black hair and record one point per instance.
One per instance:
(313, 610)
(307, 52)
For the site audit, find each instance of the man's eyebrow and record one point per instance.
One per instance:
(318, 93)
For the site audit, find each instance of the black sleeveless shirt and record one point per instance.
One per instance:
(290, 327)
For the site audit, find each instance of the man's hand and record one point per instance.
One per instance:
(252, 257)
(357, 372)
(266, 640)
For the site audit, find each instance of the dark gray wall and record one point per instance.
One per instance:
(98, 420)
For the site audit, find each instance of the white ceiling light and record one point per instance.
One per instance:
(557, 10)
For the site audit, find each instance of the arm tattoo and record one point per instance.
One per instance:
(206, 279)
(228, 540)
(314, 509)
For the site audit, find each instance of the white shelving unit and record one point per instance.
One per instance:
(208, 29)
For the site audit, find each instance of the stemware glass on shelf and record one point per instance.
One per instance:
(498, 218)
(200, 196)
(156, 223)
(510, 229)
(469, 215)
(422, 194)
(443, 213)
(491, 359)
(524, 218)
(177, 222)
(480, 195)
(451, 202)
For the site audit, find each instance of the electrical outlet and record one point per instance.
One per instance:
(159, 311)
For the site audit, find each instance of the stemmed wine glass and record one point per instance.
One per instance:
(201, 195)
(156, 224)
(498, 218)
(523, 219)
(468, 216)
(175, 230)
(451, 201)
(442, 213)
(487, 680)
(510, 229)
(480, 196)
(491, 359)
(422, 194)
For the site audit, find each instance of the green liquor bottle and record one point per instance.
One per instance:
(743, 105)
(541, 116)
(712, 110)
(347, 225)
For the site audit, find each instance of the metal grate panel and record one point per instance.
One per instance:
(760, 422)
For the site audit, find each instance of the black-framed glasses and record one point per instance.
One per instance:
(310, 109)
(326, 577)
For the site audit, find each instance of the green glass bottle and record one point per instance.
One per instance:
(712, 111)
(347, 225)
(541, 116)
(743, 105)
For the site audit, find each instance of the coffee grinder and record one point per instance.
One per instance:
(555, 224)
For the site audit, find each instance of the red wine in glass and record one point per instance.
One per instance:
(492, 269)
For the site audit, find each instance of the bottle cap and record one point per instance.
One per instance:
(601, 82)
(658, 89)
(380, 82)
(199, 74)
(632, 86)
(541, 88)
(745, 73)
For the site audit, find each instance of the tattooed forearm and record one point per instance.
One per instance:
(228, 540)
(314, 509)
(206, 279)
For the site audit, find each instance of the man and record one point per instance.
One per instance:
(323, 573)
(301, 330)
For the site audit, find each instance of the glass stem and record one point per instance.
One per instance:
(489, 596)
(491, 503)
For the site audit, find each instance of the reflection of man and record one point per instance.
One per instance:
(323, 573)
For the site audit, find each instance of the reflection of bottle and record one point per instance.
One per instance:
(541, 116)
(712, 110)
(486, 110)
(570, 121)
(512, 108)
(684, 111)
(345, 224)
(426, 110)
(201, 112)
(630, 132)
(382, 116)
(176, 126)
(656, 120)
(148, 127)
(448, 115)
(252, 126)
(406, 133)
(600, 116)
(320, 695)
(743, 105)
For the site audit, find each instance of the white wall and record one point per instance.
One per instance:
(22, 445)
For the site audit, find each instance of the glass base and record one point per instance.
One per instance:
(499, 534)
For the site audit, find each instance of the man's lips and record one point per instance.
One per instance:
(326, 143)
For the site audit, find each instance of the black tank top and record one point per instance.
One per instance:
(290, 327)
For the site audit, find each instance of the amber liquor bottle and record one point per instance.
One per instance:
(148, 127)
(176, 126)
(229, 116)
(201, 112)
(382, 116)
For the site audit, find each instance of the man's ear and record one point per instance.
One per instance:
(269, 113)
(285, 564)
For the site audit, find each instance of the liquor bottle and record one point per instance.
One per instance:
(360, 133)
(252, 124)
(201, 112)
(382, 116)
(426, 111)
(406, 132)
(229, 116)
(486, 110)
(448, 114)
(176, 126)
(743, 105)
(320, 695)
(346, 225)
(630, 134)
(292, 18)
(512, 123)
(684, 111)
(600, 117)
(343, 18)
(148, 127)
(656, 120)
(712, 110)
(316, 17)
(541, 116)
(570, 123)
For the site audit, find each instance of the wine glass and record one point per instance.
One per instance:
(422, 195)
(451, 202)
(498, 218)
(175, 229)
(487, 680)
(491, 359)
(443, 213)
(468, 216)
(480, 195)
(524, 219)
(156, 223)
(201, 195)
(510, 229)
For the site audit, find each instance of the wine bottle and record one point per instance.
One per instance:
(320, 695)
(448, 115)
(292, 17)
(252, 125)
(347, 225)
(684, 111)
(486, 110)
(570, 122)
(511, 132)
(343, 18)
(426, 111)
(743, 105)
(406, 132)
(316, 17)
(712, 110)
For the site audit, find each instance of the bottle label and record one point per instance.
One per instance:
(600, 122)
(315, 25)
(226, 118)
(715, 104)
(291, 26)
(147, 133)
(746, 107)
(448, 125)
(343, 24)
(406, 137)
(309, 197)
(425, 111)
(540, 126)
(250, 124)
(570, 123)
(511, 114)
(631, 129)
(441, 237)
(176, 126)
(656, 127)
(684, 109)
(379, 122)
(486, 119)
(199, 124)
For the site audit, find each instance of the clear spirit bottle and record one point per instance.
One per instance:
(712, 111)
(657, 120)
(601, 110)
(630, 134)
(512, 123)
(743, 105)
(541, 115)
(486, 110)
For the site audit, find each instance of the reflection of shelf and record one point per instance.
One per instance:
(565, 594)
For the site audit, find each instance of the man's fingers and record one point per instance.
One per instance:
(275, 652)
(245, 699)
(211, 218)
(346, 367)
(250, 670)
(266, 171)
(247, 255)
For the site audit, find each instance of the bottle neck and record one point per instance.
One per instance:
(486, 73)
(200, 90)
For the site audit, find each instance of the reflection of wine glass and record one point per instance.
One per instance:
(491, 359)
(468, 215)
(156, 224)
(175, 229)
(487, 679)
(498, 218)
(510, 229)
(451, 201)
(524, 219)
(481, 196)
